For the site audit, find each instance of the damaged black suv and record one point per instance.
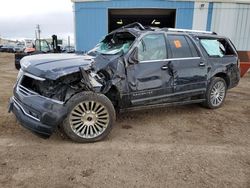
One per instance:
(132, 68)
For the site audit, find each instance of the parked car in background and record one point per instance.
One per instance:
(8, 49)
(68, 49)
(19, 48)
(133, 68)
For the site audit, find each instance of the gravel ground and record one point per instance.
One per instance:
(184, 146)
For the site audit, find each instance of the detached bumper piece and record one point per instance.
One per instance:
(42, 124)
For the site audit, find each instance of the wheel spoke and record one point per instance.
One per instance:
(94, 129)
(97, 106)
(79, 110)
(212, 98)
(91, 130)
(76, 113)
(90, 105)
(79, 128)
(76, 125)
(100, 110)
(83, 130)
(103, 124)
(93, 106)
(83, 107)
(217, 101)
(214, 101)
(87, 131)
(76, 122)
(98, 127)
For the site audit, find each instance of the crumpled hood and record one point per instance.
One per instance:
(53, 66)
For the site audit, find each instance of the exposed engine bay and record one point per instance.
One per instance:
(65, 87)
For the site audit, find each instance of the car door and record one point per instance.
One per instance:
(148, 79)
(188, 66)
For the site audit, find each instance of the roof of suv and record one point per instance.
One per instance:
(137, 29)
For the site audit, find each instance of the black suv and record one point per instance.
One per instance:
(132, 68)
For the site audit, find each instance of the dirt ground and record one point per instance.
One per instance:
(185, 146)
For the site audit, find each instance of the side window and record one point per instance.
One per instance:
(152, 47)
(217, 47)
(44, 45)
(180, 47)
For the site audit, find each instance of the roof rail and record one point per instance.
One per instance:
(132, 25)
(135, 24)
(190, 31)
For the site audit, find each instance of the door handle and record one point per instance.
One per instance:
(164, 67)
(202, 64)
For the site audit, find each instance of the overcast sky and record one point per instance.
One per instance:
(18, 18)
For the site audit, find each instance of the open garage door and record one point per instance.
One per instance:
(148, 17)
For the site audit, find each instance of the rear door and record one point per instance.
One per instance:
(223, 56)
(187, 65)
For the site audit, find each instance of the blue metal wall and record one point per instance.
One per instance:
(209, 16)
(91, 18)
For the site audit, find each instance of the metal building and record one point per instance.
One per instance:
(95, 18)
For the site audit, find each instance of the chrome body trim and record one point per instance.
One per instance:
(18, 105)
(34, 77)
(171, 59)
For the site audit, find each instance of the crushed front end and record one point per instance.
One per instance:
(34, 111)
(39, 103)
(47, 82)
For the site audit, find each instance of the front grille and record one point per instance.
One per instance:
(30, 85)
(27, 84)
(25, 91)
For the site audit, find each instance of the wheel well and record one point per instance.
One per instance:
(224, 76)
(114, 96)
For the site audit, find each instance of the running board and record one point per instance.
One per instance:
(136, 108)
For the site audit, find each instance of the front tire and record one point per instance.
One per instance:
(90, 118)
(216, 93)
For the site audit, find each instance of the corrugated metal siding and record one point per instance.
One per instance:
(90, 26)
(91, 18)
(209, 16)
(242, 34)
(233, 21)
(200, 15)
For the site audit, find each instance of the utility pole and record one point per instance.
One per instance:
(38, 32)
(68, 41)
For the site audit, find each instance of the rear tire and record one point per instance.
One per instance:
(216, 93)
(90, 117)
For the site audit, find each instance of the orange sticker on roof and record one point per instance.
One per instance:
(177, 43)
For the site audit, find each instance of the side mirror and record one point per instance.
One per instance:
(133, 58)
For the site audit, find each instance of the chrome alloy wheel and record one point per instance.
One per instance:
(89, 119)
(218, 93)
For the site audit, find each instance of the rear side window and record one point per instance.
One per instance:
(217, 47)
(181, 46)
